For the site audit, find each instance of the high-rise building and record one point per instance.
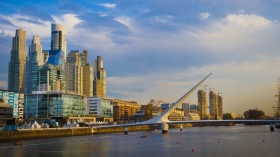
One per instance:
(74, 73)
(185, 106)
(87, 75)
(213, 104)
(16, 80)
(78, 73)
(202, 103)
(34, 61)
(58, 39)
(99, 81)
(220, 106)
(51, 78)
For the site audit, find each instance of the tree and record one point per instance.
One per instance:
(227, 116)
(254, 114)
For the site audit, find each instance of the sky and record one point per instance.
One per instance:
(160, 49)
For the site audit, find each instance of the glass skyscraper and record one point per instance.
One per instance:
(16, 80)
(35, 60)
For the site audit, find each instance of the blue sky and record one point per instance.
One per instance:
(159, 49)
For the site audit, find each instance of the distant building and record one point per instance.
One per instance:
(193, 107)
(191, 116)
(123, 111)
(43, 104)
(6, 113)
(176, 115)
(34, 61)
(99, 80)
(185, 106)
(16, 80)
(100, 107)
(165, 106)
(201, 94)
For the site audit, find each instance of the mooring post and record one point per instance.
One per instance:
(271, 127)
(125, 130)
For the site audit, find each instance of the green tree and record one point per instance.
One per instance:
(254, 114)
(227, 116)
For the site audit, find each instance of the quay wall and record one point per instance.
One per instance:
(25, 134)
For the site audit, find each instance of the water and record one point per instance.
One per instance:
(219, 141)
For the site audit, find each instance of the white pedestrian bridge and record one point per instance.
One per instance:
(163, 117)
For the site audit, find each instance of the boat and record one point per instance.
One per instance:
(144, 136)
(19, 143)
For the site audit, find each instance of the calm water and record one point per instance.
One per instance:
(236, 140)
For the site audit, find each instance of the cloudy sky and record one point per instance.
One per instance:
(160, 49)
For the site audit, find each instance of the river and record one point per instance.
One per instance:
(239, 140)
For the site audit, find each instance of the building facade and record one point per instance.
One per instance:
(100, 107)
(16, 100)
(201, 95)
(220, 106)
(123, 111)
(34, 61)
(58, 39)
(44, 104)
(16, 80)
(52, 78)
(74, 72)
(99, 80)
(213, 104)
(87, 75)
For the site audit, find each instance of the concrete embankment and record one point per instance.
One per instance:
(60, 132)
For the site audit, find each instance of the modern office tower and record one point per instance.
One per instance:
(54, 104)
(87, 75)
(220, 106)
(16, 80)
(58, 39)
(213, 104)
(52, 78)
(202, 103)
(74, 73)
(99, 80)
(34, 61)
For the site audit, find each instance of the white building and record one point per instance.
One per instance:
(100, 107)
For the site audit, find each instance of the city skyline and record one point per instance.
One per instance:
(152, 50)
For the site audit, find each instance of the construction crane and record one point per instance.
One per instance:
(150, 107)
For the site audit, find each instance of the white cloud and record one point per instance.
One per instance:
(108, 5)
(204, 15)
